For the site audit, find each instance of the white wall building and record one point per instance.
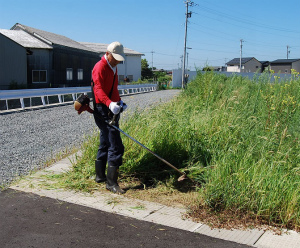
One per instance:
(130, 68)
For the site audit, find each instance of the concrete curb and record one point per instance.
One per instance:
(149, 211)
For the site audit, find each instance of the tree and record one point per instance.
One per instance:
(146, 71)
(207, 68)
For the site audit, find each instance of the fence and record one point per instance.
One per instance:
(177, 76)
(28, 98)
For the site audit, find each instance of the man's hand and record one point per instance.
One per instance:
(115, 108)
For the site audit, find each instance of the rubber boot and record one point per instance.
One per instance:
(112, 180)
(100, 166)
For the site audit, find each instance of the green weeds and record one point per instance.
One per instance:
(252, 133)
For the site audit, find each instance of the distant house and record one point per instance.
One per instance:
(39, 59)
(285, 65)
(248, 65)
(130, 68)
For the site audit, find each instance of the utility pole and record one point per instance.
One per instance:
(287, 51)
(187, 15)
(187, 61)
(152, 65)
(181, 61)
(152, 58)
(241, 54)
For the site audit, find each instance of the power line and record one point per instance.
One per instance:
(245, 21)
(164, 54)
(256, 44)
(240, 26)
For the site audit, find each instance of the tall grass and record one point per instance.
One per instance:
(238, 138)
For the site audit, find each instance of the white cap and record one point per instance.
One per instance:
(117, 50)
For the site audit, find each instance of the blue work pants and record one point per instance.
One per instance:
(111, 147)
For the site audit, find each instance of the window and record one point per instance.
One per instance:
(130, 77)
(69, 74)
(80, 74)
(121, 78)
(39, 76)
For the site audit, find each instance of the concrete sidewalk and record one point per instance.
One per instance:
(149, 211)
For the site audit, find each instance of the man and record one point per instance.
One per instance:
(108, 103)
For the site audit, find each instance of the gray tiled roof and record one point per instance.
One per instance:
(24, 39)
(284, 61)
(264, 61)
(52, 38)
(48, 39)
(101, 48)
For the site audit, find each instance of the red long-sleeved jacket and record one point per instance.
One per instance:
(103, 77)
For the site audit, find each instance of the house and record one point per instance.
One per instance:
(285, 65)
(39, 59)
(250, 64)
(16, 47)
(68, 63)
(130, 68)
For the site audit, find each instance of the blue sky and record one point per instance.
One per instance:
(214, 31)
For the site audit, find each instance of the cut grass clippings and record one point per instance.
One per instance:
(238, 138)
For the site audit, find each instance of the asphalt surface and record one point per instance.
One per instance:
(29, 220)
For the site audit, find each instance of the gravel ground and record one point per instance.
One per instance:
(30, 138)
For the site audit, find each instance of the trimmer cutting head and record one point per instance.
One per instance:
(181, 178)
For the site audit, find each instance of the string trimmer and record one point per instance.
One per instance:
(82, 103)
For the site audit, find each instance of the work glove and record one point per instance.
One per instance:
(123, 105)
(114, 108)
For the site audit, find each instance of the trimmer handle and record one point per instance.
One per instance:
(113, 120)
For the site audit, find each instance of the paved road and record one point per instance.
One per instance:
(28, 220)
